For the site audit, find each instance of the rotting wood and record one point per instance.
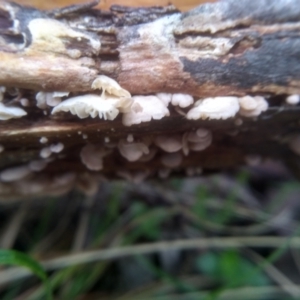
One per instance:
(229, 48)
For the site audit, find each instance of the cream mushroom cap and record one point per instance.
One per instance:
(214, 108)
(171, 143)
(14, 173)
(93, 105)
(182, 100)
(145, 108)
(165, 98)
(132, 151)
(252, 106)
(109, 85)
(7, 113)
(92, 156)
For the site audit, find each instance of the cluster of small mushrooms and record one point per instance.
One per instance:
(107, 104)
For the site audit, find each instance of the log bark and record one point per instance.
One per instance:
(228, 48)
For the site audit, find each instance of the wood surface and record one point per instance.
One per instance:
(227, 48)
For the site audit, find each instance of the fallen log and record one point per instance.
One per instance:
(145, 92)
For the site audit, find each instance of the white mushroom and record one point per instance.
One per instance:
(169, 143)
(132, 151)
(196, 140)
(43, 140)
(165, 98)
(45, 152)
(182, 100)
(143, 109)
(24, 102)
(56, 148)
(171, 160)
(93, 105)
(109, 85)
(7, 113)
(292, 99)
(130, 138)
(92, 156)
(214, 108)
(15, 173)
(49, 98)
(252, 106)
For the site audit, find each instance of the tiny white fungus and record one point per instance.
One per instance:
(106, 139)
(45, 152)
(109, 85)
(171, 143)
(94, 105)
(196, 140)
(132, 151)
(92, 156)
(84, 136)
(214, 108)
(252, 106)
(1, 148)
(43, 140)
(293, 99)
(143, 109)
(182, 100)
(24, 102)
(14, 173)
(165, 98)
(56, 148)
(130, 138)
(7, 113)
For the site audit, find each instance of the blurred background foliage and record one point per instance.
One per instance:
(118, 243)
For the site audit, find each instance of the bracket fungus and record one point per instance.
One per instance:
(171, 143)
(92, 156)
(45, 99)
(196, 140)
(145, 108)
(7, 113)
(214, 108)
(252, 106)
(132, 151)
(94, 105)
(292, 99)
(109, 85)
(14, 173)
(182, 100)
